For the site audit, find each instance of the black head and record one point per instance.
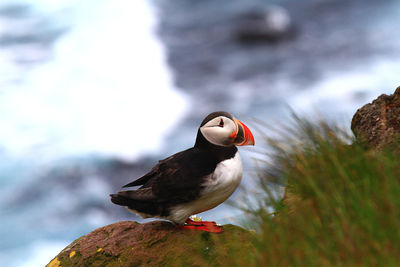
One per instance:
(222, 129)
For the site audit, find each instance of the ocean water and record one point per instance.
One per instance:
(341, 52)
(93, 93)
(90, 82)
(79, 79)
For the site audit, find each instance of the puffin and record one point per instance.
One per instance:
(194, 180)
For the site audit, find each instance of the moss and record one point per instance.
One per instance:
(67, 261)
(54, 263)
(157, 244)
(102, 259)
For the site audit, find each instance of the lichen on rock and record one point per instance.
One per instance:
(157, 243)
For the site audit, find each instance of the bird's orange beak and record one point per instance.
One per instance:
(242, 136)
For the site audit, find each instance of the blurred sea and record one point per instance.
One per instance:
(93, 93)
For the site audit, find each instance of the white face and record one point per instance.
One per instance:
(218, 130)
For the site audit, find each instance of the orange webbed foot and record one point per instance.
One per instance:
(199, 223)
(208, 228)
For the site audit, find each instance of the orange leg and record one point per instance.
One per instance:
(190, 221)
(202, 226)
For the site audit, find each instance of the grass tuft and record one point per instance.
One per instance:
(342, 201)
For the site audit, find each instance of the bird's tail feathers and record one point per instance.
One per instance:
(138, 203)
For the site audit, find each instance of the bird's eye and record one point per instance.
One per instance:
(221, 123)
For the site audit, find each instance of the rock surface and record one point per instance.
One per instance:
(378, 123)
(157, 243)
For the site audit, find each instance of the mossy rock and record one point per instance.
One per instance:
(157, 243)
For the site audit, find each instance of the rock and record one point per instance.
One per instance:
(156, 243)
(378, 123)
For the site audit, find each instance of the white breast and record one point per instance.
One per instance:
(218, 187)
(225, 179)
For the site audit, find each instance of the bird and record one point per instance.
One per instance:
(194, 180)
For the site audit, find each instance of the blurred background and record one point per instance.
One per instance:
(93, 93)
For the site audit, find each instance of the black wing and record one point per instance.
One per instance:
(155, 170)
(144, 179)
(178, 178)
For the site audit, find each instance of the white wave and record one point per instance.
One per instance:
(347, 90)
(107, 89)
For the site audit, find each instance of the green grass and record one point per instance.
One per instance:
(341, 206)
